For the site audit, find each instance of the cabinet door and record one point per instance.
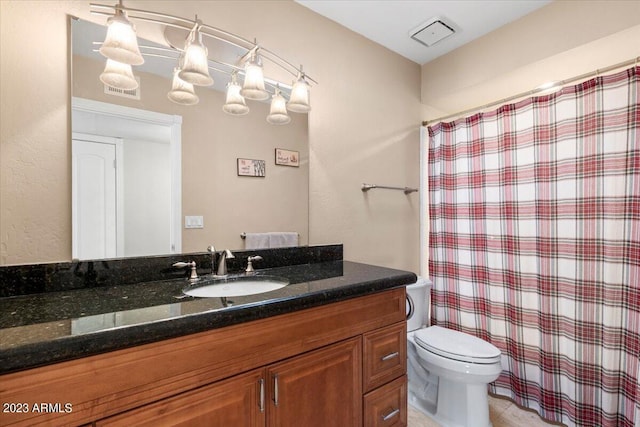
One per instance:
(237, 402)
(318, 389)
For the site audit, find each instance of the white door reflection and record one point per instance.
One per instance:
(147, 166)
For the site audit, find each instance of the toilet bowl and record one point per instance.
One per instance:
(448, 370)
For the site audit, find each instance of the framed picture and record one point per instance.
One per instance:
(287, 157)
(251, 167)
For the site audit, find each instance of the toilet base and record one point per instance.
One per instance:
(458, 405)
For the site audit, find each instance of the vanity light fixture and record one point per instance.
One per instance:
(299, 99)
(182, 92)
(278, 111)
(194, 62)
(195, 67)
(235, 103)
(121, 43)
(253, 87)
(118, 75)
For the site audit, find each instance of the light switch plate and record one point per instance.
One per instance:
(194, 221)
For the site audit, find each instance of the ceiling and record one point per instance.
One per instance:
(390, 22)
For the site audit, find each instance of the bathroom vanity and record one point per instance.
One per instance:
(328, 349)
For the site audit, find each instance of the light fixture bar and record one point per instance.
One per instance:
(188, 24)
(194, 65)
(267, 81)
(148, 12)
(142, 18)
(228, 34)
(297, 70)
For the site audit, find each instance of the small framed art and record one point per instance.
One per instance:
(287, 157)
(251, 167)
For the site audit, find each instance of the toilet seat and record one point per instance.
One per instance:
(456, 345)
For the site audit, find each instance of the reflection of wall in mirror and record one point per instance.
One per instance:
(211, 143)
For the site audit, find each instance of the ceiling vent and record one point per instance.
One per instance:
(124, 93)
(431, 32)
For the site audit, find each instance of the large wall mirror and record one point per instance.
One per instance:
(176, 183)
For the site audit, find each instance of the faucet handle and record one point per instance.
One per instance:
(194, 273)
(249, 263)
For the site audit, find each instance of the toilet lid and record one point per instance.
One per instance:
(457, 345)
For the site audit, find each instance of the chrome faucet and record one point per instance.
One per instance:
(222, 263)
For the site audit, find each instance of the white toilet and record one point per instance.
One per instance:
(448, 370)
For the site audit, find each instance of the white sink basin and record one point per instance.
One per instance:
(235, 286)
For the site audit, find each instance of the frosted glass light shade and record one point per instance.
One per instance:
(182, 92)
(195, 66)
(235, 103)
(299, 99)
(121, 43)
(278, 112)
(253, 87)
(118, 75)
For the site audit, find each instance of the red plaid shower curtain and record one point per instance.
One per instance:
(535, 245)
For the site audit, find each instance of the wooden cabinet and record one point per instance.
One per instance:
(238, 402)
(315, 357)
(319, 389)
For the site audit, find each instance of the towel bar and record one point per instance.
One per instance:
(243, 235)
(407, 190)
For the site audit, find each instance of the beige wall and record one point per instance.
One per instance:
(559, 41)
(363, 127)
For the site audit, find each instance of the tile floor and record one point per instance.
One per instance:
(503, 413)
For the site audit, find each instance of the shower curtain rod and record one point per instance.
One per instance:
(537, 90)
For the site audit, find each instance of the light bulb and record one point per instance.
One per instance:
(182, 92)
(299, 99)
(235, 103)
(121, 43)
(253, 87)
(118, 75)
(195, 66)
(278, 111)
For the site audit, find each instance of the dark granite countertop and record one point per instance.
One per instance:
(43, 328)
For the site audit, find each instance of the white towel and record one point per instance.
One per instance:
(283, 239)
(256, 241)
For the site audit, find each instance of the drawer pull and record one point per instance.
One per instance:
(261, 395)
(390, 356)
(390, 415)
(275, 389)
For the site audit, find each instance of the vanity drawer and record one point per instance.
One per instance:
(385, 355)
(387, 405)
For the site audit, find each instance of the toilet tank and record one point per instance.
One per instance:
(418, 303)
